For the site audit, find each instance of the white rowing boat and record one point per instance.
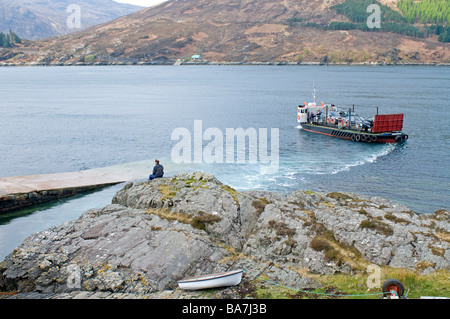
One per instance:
(223, 279)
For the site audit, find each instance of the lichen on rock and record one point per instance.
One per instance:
(157, 232)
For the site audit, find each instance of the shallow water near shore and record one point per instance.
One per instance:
(14, 228)
(60, 119)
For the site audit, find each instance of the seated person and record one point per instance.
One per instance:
(158, 171)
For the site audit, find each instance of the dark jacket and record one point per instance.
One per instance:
(158, 171)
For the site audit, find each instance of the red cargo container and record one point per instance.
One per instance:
(388, 123)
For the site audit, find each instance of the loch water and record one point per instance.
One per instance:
(61, 119)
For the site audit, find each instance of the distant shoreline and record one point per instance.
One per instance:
(36, 64)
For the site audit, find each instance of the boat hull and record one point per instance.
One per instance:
(353, 135)
(225, 279)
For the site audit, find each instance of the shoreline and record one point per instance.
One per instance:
(273, 63)
(301, 240)
(19, 192)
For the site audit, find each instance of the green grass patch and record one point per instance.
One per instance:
(234, 193)
(337, 195)
(342, 286)
(167, 191)
(199, 221)
(377, 226)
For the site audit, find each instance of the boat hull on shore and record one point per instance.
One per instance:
(224, 279)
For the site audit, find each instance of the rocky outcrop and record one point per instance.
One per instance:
(155, 233)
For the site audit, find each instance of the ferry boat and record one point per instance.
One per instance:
(328, 119)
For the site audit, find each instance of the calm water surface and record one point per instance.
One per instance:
(59, 119)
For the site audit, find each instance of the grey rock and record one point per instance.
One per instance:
(157, 232)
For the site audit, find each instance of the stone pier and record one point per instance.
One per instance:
(22, 191)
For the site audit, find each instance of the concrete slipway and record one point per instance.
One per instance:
(22, 191)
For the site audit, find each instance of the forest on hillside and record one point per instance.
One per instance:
(426, 11)
(7, 40)
(356, 11)
(434, 15)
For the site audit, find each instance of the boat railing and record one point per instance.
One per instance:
(340, 122)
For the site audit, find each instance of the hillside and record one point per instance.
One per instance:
(38, 19)
(234, 31)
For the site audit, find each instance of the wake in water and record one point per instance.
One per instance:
(298, 167)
